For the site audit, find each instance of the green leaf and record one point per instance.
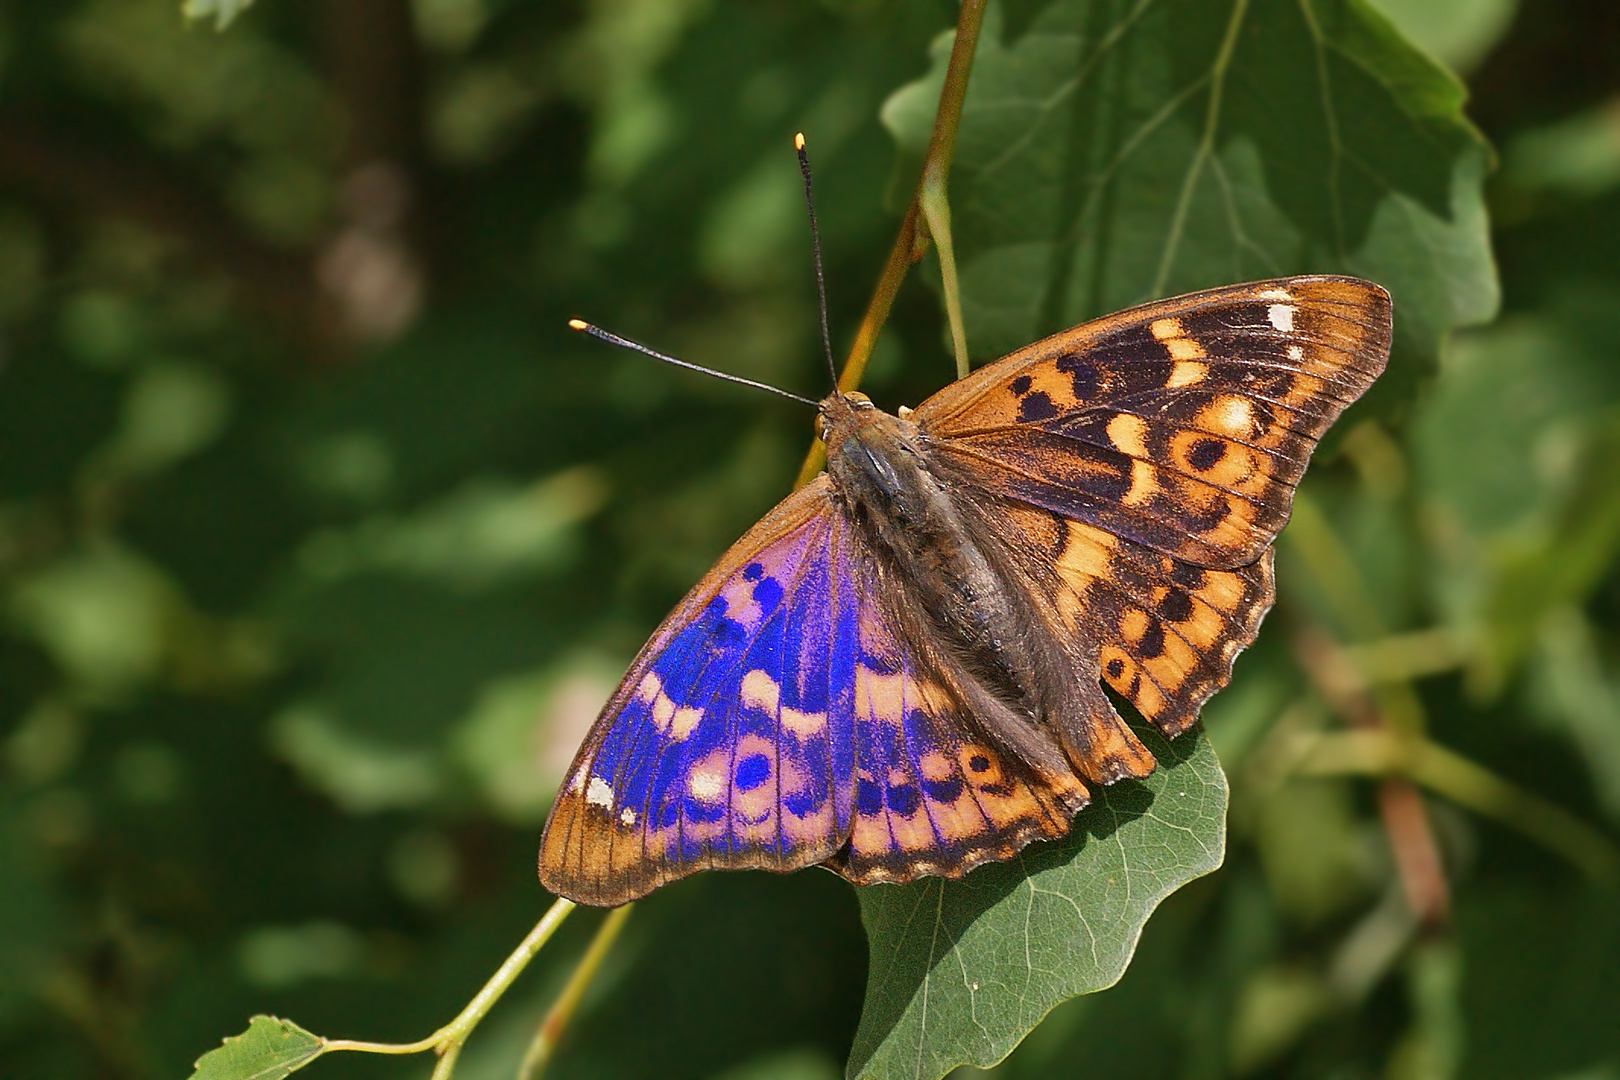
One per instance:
(962, 970)
(1115, 152)
(224, 12)
(270, 1049)
(1459, 33)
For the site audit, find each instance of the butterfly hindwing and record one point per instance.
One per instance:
(1168, 631)
(780, 718)
(728, 744)
(936, 792)
(1182, 425)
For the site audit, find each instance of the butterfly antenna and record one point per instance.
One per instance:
(815, 246)
(626, 343)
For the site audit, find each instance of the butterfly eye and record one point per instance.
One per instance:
(859, 400)
(821, 428)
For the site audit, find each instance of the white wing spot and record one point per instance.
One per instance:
(1282, 317)
(705, 785)
(650, 687)
(1234, 416)
(760, 691)
(599, 793)
(683, 721)
(628, 816)
(1295, 352)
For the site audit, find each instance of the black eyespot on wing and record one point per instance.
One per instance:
(1083, 374)
(1176, 606)
(1021, 385)
(1205, 454)
(904, 800)
(1036, 406)
(1152, 643)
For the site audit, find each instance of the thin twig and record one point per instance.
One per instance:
(1393, 706)
(908, 242)
(448, 1040)
(550, 1031)
(1469, 785)
(1406, 820)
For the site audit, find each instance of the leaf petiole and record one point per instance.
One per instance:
(448, 1040)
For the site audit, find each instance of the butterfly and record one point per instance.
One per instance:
(899, 670)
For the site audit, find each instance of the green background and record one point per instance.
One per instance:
(322, 538)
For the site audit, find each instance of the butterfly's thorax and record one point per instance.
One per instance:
(937, 546)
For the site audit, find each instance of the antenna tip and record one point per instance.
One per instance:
(798, 141)
(578, 324)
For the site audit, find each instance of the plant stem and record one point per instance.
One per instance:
(1311, 536)
(1468, 784)
(562, 1010)
(908, 242)
(448, 1040)
(447, 1062)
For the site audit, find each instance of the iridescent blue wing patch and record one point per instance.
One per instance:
(728, 744)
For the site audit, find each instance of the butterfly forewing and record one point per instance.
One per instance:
(1182, 425)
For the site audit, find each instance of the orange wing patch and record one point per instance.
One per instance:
(1168, 631)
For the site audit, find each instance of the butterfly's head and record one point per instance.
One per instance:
(840, 413)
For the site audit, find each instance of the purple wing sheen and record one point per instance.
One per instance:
(934, 795)
(729, 743)
(778, 716)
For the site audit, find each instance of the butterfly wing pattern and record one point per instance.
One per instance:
(1168, 439)
(819, 698)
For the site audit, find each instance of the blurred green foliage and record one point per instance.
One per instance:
(322, 539)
